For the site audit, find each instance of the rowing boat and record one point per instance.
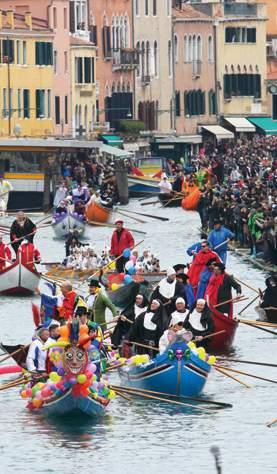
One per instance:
(95, 212)
(67, 403)
(66, 223)
(222, 342)
(18, 279)
(177, 372)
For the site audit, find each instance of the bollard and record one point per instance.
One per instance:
(121, 174)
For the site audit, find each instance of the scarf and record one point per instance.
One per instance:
(195, 321)
(211, 294)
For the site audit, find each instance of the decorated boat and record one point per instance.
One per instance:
(169, 200)
(18, 279)
(142, 185)
(66, 223)
(180, 371)
(223, 342)
(95, 212)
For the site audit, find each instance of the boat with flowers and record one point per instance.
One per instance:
(66, 223)
(182, 370)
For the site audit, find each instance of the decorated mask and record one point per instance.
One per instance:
(75, 360)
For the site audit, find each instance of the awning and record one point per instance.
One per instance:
(221, 133)
(112, 140)
(241, 124)
(131, 147)
(191, 139)
(114, 152)
(265, 125)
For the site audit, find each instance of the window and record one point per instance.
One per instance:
(190, 53)
(92, 71)
(65, 62)
(19, 105)
(242, 85)
(40, 103)
(57, 110)
(156, 73)
(65, 18)
(240, 35)
(175, 48)
(44, 53)
(5, 103)
(49, 103)
(169, 57)
(79, 70)
(66, 109)
(194, 102)
(251, 35)
(168, 7)
(212, 102)
(154, 7)
(199, 49)
(24, 52)
(177, 104)
(106, 37)
(142, 59)
(18, 52)
(87, 70)
(26, 103)
(139, 65)
(186, 49)
(146, 7)
(137, 7)
(55, 61)
(147, 59)
(8, 51)
(210, 49)
(54, 18)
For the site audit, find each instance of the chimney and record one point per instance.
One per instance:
(1, 20)
(10, 19)
(28, 20)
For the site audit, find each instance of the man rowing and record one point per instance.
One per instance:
(121, 239)
(199, 263)
(5, 254)
(219, 290)
(218, 240)
(21, 227)
(199, 320)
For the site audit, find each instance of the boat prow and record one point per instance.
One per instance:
(222, 342)
(66, 224)
(67, 403)
(18, 279)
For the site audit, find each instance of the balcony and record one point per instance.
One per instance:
(240, 9)
(125, 59)
(196, 69)
(145, 80)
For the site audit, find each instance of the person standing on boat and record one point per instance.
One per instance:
(20, 228)
(188, 293)
(269, 298)
(199, 320)
(218, 240)
(5, 254)
(205, 276)
(219, 290)
(36, 357)
(98, 302)
(67, 301)
(60, 194)
(168, 290)
(148, 328)
(121, 239)
(199, 263)
(28, 254)
(165, 186)
(5, 188)
(131, 312)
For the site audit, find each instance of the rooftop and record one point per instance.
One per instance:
(15, 21)
(187, 12)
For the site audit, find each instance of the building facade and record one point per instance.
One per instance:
(154, 100)
(27, 76)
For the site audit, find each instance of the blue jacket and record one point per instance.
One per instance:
(189, 295)
(216, 237)
(194, 248)
(203, 283)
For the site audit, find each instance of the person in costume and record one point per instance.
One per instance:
(204, 279)
(219, 289)
(36, 357)
(188, 293)
(180, 311)
(5, 254)
(131, 312)
(149, 327)
(98, 302)
(269, 297)
(121, 240)
(218, 240)
(175, 327)
(28, 253)
(68, 301)
(5, 188)
(199, 321)
(199, 263)
(54, 333)
(168, 290)
(20, 228)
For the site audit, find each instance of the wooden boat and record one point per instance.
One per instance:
(222, 342)
(66, 403)
(97, 213)
(20, 355)
(142, 185)
(177, 372)
(18, 279)
(65, 224)
(271, 314)
(170, 200)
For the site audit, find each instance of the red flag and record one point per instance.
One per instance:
(36, 315)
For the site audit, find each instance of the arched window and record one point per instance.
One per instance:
(113, 33)
(210, 49)
(194, 48)
(147, 58)
(156, 59)
(137, 7)
(199, 49)
(146, 7)
(190, 52)
(186, 49)
(169, 55)
(139, 58)
(175, 48)
(76, 117)
(142, 59)
(126, 31)
(80, 116)
(117, 33)
(154, 7)
(121, 33)
(86, 119)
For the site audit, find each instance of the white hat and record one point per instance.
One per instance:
(177, 318)
(54, 323)
(180, 300)
(170, 271)
(201, 300)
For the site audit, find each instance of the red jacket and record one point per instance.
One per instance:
(67, 309)
(198, 265)
(29, 255)
(126, 241)
(5, 255)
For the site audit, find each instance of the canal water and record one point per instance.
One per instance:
(142, 436)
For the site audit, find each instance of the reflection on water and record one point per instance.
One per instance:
(143, 436)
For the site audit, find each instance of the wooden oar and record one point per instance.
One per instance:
(240, 372)
(259, 323)
(171, 200)
(14, 353)
(145, 346)
(237, 299)
(148, 203)
(210, 335)
(250, 362)
(271, 423)
(232, 377)
(259, 327)
(122, 213)
(148, 215)
(102, 224)
(195, 399)
(247, 286)
(249, 304)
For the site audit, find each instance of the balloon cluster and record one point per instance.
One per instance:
(138, 359)
(198, 351)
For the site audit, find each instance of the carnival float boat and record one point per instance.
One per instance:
(95, 212)
(18, 279)
(66, 223)
(222, 342)
(179, 371)
(67, 403)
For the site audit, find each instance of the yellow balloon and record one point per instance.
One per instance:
(212, 360)
(191, 345)
(111, 395)
(111, 266)
(201, 353)
(115, 286)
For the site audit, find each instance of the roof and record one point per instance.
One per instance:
(241, 124)
(189, 13)
(38, 24)
(221, 133)
(74, 41)
(266, 124)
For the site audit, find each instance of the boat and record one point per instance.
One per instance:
(19, 353)
(222, 342)
(169, 200)
(18, 279)
(95, 212)
(177, 372)
(271, 314)
(64, 224)
(67, 403)
(143, 185)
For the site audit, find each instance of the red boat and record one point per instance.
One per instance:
(222, 342)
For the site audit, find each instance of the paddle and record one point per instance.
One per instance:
(245, 373)
(251, 362)
(259, 323)
(247, 286)
(232, 377)
(210, 335)
(271, 423)
(143, 345)
(130, 217)
(237, 299)
(148, 215)
(249, 304)
(259, 327)
(148, 203)
(113, 226)
(171, 200)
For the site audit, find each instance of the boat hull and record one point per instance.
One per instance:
(271, 315)
(97, 213)
(183, 378)
(222, 342)
(18, 280)
(141, 186)
(67, 404)
(64, 226)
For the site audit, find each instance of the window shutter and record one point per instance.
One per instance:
(72, 17)
(93, 34)
(92, 71)
(104, 45)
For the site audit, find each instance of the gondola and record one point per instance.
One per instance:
(18, 280)
(177, 372)
(169, 200)
(95, 212)
(222, 342)
(66, 223)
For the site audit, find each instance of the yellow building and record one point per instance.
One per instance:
(83, 86)
(26, 76)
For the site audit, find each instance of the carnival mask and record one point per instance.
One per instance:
(75, 360)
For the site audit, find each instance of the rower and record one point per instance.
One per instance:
(5, 254)
(218, 240)
(180, 312)
(199, 321)
(168, 290)
(121, 239)
(188, 293)
(219, 289)
(36, 357)
(199, 263)
(165, 186)
(131, 312)
(54, 333)
(28, 253)
(269, 299)
(204, 279)
(20, 228)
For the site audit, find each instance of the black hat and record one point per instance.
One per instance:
(217, 221)
(94, 283)
(183, 277)
(220, 265)
(211, 262)
(179, 266)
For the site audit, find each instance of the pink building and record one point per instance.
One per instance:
(56, 13)
(194, 70)
(111, 31)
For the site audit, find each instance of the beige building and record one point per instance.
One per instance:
(154, 78)
(83, 86)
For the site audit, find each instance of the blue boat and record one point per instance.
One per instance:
(66, 403)
(141, 186)
(177, 372)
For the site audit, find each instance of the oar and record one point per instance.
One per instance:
(240, 372)
(250, 362)
(171, 200)
(145, 346)
(247, 286)
(195, 399)
(14, 353)
(210, 335)
(220, 245)
(259, 327)
(28, 235)
(148, 215)
(271, 423)
(130, 217)
(148, 203)
(249, 304)
(259, 323)
(232, 377)
(237, 299)
(102, 224)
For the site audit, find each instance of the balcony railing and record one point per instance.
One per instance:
(124, 58)
(196, 68)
